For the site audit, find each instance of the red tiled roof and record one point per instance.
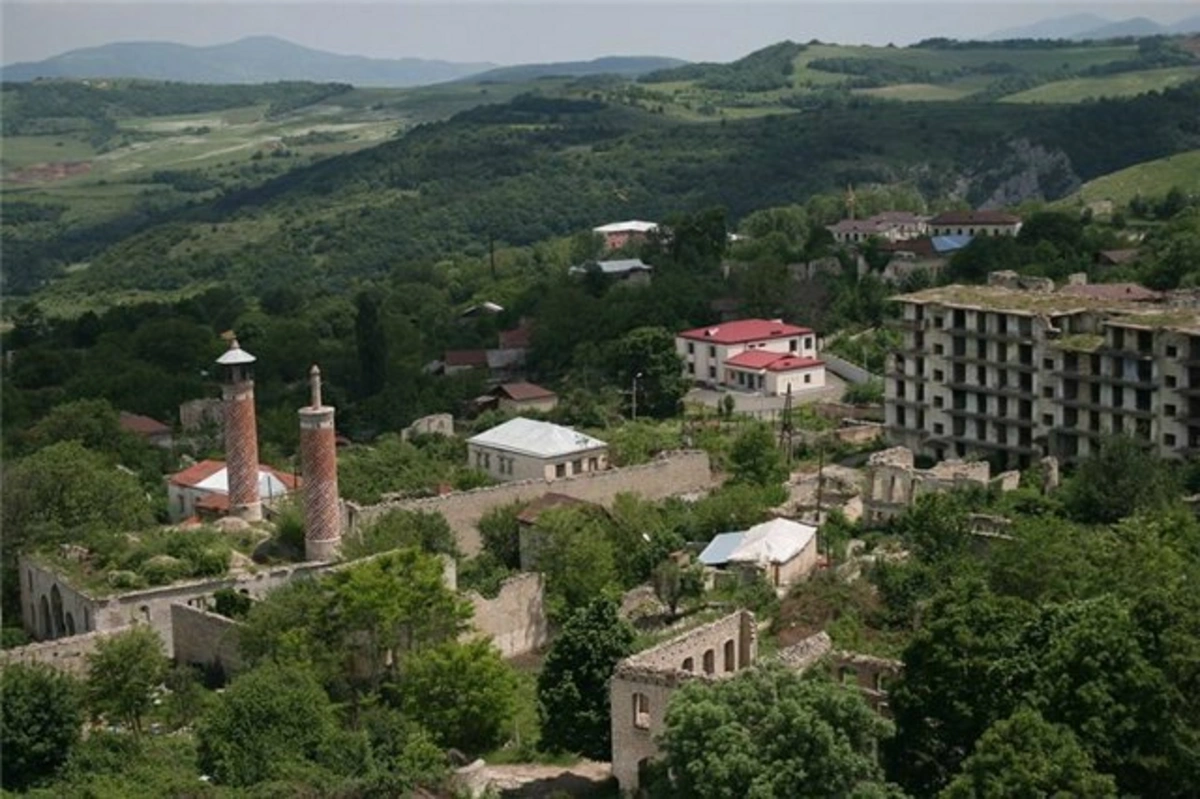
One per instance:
(197, 473)
(1112, 291)
(520, 392)
(466, 358)
(142, 425)
(743, 330)
(516, 339)
(771, 361)
(975, 218)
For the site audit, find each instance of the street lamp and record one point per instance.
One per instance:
(636, 377)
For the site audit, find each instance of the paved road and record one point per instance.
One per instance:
(759, 405)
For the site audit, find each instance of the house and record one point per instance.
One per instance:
(777, 355)
(782, 550)
(627, 270)
(1116, 257)
(524, 397)
(519, 338)
(618, 234)
(462, 360)
(152, 430)
(204, 489)
(890, 226)
(975, 223)
(485, 308)
(525, 449)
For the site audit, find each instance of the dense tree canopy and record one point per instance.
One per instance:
(41, 717)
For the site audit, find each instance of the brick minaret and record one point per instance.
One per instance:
(318, 467)
(241, 432)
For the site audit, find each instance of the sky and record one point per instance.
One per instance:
(506, 32)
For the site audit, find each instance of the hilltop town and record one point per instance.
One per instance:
(624, 475)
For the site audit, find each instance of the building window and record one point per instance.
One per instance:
(1048, 419)
(1170, 381)
(691, 348)
(577, 466)
(1047, 363)
(710, 661)
(712, 351)
(1169, 439)
(807, 378)
(560, 470)
(808, 343)
(1048, 392)
(730, 659)
(847, 676)
(1172, 351)
(938, 402)
(641, 711)
(792, 345)
(593, 464)
(1169, 410)
(939, 375)
(712, 372)
(689, 664)
(938, 428)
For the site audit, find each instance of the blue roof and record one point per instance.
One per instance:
(950, 243)
(720, 548)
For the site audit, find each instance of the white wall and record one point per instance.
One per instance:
(778, 382)
(506, 465)
(704, 355)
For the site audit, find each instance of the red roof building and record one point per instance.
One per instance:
(518, 338)
(457, 360)
(766, 356)
(201, 486)
(524, 396)
(145, 427)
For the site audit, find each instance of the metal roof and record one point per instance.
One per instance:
(235, 355)
(618, 266)
(720, 548)
(943, 244)
(539, 439)
(633, 225)
(776, 541)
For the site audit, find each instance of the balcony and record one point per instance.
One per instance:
(997, 391)
(1012, 336)
(964, 413)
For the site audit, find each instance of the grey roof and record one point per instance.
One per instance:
(235, 355)
(617, 266)
(539, 439)
(774, 541)
(720, 548)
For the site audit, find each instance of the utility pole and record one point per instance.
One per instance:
(785, 425)
(634, 395)
(492, 254)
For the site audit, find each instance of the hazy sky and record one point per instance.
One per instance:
(507, 32)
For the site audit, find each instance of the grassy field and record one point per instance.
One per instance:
(1152, 178)
(917, 92)
(1125, 84)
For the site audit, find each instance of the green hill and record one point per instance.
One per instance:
(1149, 179)
(1125, 84)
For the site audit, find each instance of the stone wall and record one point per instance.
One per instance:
(516, 619)
(871, 675)
(643, 683)
(674, 473)
(67, 654)
(205, 639)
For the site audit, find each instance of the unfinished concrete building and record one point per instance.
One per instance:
(643, 683)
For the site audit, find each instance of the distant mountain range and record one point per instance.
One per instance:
(1082, 27)
(628, 66)
(263, 59)
(257, 59)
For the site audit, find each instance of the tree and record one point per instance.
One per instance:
(463, 693)
(500, 532)
(770, 732)
(577, 557)
(673, 583)
(269, 718)
(41, 718)
(755, 459)
(1025, 755)
(123, 673)
(572, 688)
(1118, 481)
(398, 529)
(645, 360)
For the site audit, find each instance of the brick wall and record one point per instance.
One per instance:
(516, 619)
(205, 639)
(676, 473)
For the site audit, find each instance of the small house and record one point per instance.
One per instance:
(522, 396)
(527, 449)
(144, 427)
(781, 550)
(203, 489)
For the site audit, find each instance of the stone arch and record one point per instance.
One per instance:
(45, 627)
(70, 622)
(710, 661)
(641, 711)
(56, 612)
(689, 664)
(87, 621)
(730, 658)
(848, 675)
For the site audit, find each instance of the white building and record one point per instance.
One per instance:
(761, 355)
(782, 550)
(975, 223)
(525, 449)
(618, 234)
(204, 488)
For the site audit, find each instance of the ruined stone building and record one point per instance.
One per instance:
(893, 482)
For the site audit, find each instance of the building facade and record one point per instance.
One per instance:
(1015, 375)
(618, 234)
(764, 355)
(975, 223)
(527, 449)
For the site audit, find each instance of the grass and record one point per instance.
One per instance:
(917, 92)
(1126, 84)
(1148, 179)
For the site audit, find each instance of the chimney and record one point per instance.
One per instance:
(318, 467)
(241, 432)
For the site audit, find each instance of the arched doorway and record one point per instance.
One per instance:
(45, 627)
(56, 612)
(70, 624)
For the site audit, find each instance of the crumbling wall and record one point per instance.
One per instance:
(515, 619)
(674, 473)
(643, 683)
(67, 654)
(205, 639)
(871, 675)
